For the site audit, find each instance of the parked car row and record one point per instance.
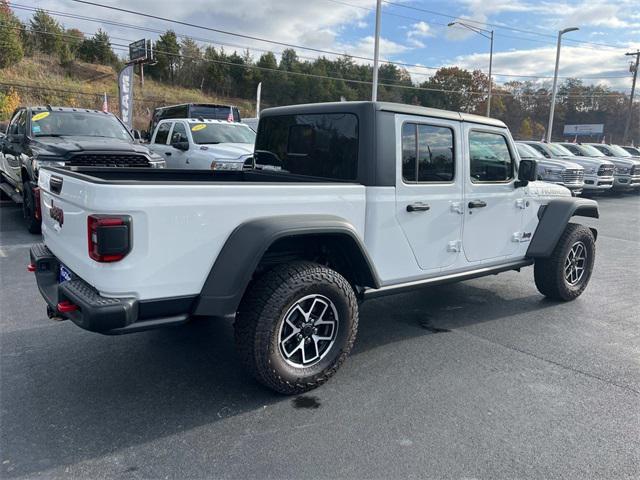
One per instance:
(584, 167)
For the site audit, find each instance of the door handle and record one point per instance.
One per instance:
(477, 204)
(418, 207)
(168, 154)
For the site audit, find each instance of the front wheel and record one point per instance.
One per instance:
(566, 273)
(296, 326)
(29, 209)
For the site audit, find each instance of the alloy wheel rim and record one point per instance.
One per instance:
(575, 265)
(308, 331)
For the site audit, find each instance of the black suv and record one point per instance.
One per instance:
(48, 135)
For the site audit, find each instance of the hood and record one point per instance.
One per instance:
(558, 162)
(587, 162)
(61, 146)
(624, 161)
(231, 151)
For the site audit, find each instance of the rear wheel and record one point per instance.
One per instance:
(29, 209)
(296, 326)
(566, 273)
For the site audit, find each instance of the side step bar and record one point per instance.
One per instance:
(11, 192)
(444, 279)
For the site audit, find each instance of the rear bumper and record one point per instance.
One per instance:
(102, 314)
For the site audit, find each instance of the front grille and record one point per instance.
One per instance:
(605, 171)
(573, 176)
(635, 170)
(108, 160)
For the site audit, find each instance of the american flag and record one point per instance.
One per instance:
(105, 103)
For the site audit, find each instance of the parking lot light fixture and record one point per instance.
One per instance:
(487, 34)
(555, 81)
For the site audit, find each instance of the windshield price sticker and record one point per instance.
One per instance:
(197, 128)
(40, 116)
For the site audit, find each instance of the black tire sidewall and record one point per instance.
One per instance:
(32, 223)
(276, 361)
(586, 237)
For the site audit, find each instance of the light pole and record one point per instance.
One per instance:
(555, 81)
(634, 69)
(376, 53)
(486, 34)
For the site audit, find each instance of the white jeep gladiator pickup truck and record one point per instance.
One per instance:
(346, 201)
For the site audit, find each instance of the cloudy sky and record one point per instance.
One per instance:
(413, 31)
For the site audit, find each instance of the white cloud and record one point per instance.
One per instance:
(420, 29)
(574, 62)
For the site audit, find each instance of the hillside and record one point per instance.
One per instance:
(42, 79)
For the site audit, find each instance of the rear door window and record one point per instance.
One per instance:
(427, 153)
(316, 145)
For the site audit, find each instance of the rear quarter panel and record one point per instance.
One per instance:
(177, 229)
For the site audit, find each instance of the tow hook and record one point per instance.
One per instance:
(54, 315)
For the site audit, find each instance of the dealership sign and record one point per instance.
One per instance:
(587, 129)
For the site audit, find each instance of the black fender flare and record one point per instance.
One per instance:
(553, 219)
(240, 255)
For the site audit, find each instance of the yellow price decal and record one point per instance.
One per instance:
(197, 128)
(40, 116)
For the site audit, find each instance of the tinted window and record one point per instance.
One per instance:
(163, 133)
(179, 133)
(539, 149)
(490, 157)
(318, 145)
(213, 113)
(18, 124)
(212, 133)
(573, 149)
(427, 153)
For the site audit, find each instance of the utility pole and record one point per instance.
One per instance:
(555, 82)
(486, 34)
(633, 91)
(376, 52)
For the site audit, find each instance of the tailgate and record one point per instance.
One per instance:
(67, 201)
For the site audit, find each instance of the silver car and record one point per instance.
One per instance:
(553, 170)
(627, 173)
(598, 172)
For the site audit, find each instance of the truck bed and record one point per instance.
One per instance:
(165, 176)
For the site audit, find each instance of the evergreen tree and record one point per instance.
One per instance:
(46, 32)
(11, 51)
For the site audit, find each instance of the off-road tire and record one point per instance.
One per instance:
(263, 310)
(29, 209)
(549, 272)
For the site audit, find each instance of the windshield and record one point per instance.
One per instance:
(619, 151)
(525, 151)
(559, 150)
(86, 124)
(590, 151)
(212, 133)
(632, 150)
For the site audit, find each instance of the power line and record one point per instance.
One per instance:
(494, 25)
(401, 64)
(123, 47)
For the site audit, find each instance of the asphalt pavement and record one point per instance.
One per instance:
(481, 379)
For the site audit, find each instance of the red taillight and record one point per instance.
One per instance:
(108, 237)
(36, 199)
(31, 268)
(66, 307)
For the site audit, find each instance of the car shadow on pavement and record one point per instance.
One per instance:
(69, 395)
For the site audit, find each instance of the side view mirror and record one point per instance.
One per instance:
(184, 146)
(527, 172)
(136, 134)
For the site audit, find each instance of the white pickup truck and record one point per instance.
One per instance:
(346, 201)
(203, 144)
